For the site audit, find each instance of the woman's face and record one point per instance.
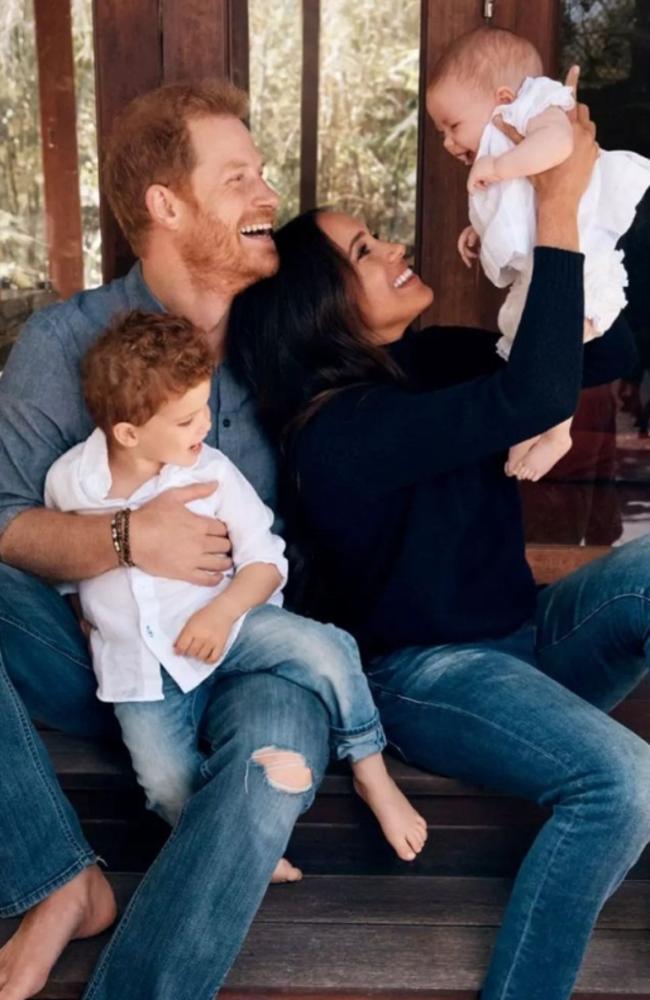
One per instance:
(390, 295)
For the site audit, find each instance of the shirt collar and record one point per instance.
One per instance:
(94, 471)
(138, 293)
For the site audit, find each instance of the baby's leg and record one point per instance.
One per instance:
(540, 454)
(326, 660)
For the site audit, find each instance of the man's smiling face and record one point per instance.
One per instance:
(225, 240)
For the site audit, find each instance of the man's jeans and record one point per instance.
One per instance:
(523, 715)
(186, 922)
(162, 736)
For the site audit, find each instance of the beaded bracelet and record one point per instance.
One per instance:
(120, 535)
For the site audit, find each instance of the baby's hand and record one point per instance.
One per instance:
(468, 245)
(482, 174)
(205, 634)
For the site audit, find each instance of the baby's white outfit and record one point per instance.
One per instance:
(504, 216)
(138, 617)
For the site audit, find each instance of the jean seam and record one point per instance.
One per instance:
(124, 922)
(601, 607)
(39, 638)
(36, 896)
(541, 881)
(36, 761)
(479, 718)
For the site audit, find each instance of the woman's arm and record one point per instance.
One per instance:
(385, 437)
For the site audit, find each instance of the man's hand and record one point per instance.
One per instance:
(483, 173)
(468, 245)
(205, 634)
(169, 540)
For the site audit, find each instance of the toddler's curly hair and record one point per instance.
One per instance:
(140, 362)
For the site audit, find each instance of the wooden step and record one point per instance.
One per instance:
(394, 938)
(471, 831)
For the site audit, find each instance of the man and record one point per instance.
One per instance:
(185, 182)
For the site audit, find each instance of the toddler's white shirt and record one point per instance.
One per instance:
(504, 213)
(137, 617)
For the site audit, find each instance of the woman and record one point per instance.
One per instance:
(395, 444)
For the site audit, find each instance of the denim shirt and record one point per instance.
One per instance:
(42, 410)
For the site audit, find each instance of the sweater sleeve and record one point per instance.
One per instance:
(384, 437)
(611, 356)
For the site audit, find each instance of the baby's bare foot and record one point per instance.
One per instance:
(403, 827)
(284, 872)
(83, 907)
(541, 458)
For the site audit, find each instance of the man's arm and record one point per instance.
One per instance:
(166, 540)
(41, 417)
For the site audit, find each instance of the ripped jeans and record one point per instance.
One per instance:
(162, 736)
(201, 893)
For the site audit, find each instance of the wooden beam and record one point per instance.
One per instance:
(195, 39)
(59, 144)
(239, 44)
(309, 104)
(551, 562)
(128, 62)
(462, 296)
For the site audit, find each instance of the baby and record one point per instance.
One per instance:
(156, 643)
(491, 72)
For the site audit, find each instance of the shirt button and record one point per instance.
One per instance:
(226, 422)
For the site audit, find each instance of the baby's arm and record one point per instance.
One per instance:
(548, 142)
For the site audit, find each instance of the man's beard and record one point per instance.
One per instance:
(216, 260)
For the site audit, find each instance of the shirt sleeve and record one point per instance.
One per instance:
(536, 95)
(249, 523)
(385, 437)
(36, 416)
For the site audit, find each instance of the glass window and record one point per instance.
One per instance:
(599, 494)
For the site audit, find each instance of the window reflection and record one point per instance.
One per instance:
(600, 493)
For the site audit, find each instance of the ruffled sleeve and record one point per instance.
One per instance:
(535, 95)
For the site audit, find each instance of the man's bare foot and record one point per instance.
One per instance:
(403, 827)
(284, 872)
(81, 908)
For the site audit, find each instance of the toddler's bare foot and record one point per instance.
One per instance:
(403, 827)
(81, 908)
(284, 872)
(541, 458)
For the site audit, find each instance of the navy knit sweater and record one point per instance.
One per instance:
(418, 530)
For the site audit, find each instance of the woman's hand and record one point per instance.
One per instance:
(560, 189)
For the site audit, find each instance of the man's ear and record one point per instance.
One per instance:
(163, 206)
(505, 95)
(126, 434)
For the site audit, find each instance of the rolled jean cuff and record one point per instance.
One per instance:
(356, 744)
(16, 907)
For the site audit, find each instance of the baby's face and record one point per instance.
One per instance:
(460, 114)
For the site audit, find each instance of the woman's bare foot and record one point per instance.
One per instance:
(403, 827)
(284, 872)
(81, 908)
(541, 458)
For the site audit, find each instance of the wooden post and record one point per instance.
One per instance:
(309, 104)
(140, 44)
(128, 62)
(462, 296)
(59, 144)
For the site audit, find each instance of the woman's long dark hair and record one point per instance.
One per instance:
(297, 338)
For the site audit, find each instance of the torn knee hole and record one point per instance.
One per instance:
(285, 770)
